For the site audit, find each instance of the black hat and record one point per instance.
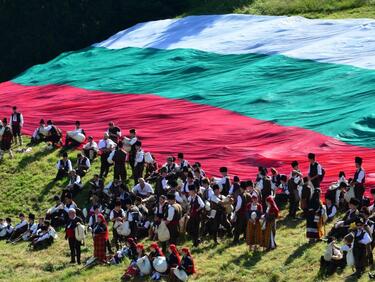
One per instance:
(41, 121)
(31, 216)
(49, 122)
(294, 163)
(68, 195)
(8, 219)
(283, 177)
(236, 178)
(358, 160)
(372, 191)
(21, 214)
(191, 187)
(171, 196)
(215, 187)
(343, 185)
(132, 130)
(243, 184)
(354, 202)
(65, 155)
(78, 122)
(180, 155)
(311, 156)
(223, 169)
(56, 198)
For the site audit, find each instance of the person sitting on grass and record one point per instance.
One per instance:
(75, 137)
(45, 237)
(63, 167)
(6, 228)
(83, 165)
(54, 135)
(332, 258)
(19, 229)
(91, 149)
(185, 269)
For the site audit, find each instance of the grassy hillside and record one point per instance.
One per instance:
(306, 8)
(25, 185)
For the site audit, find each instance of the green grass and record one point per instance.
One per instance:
(306, 8)
(25, 185)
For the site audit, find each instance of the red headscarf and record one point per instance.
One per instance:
(187, 251)
(173, 248)
(106, 225)
(140, 246)
(273, 207)
(157, 249)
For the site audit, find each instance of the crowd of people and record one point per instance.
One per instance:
(169, 201)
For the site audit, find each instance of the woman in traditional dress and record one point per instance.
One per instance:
(155, 252)
(269, 224)
(132, 269)
(6, 139)
(185, 269)
(253, 228)
(314, 218)
(100, 235)
(173, 258)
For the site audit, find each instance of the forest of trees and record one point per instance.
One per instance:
(35, 31)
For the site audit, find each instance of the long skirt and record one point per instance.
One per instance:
(314, 227)
(269, 234)
(253, 233)
(99, 248)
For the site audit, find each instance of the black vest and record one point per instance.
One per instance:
(356, 176)
(18, 119)
(119, 158)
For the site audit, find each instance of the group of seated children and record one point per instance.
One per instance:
(40, 235)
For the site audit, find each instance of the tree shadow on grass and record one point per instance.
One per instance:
(297, 253)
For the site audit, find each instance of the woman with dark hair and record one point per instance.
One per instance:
(173, 259)
(269, 224)
(100, 235)
(314, 218)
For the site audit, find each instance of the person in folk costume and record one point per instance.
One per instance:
(239, 221)
(83, 165)
(171, 166)
(132, 270)
(63, 166)
(265, 186)
(360, 249)
(306, 194)
(96, 186)
(173, 257)
(69, 141)
(341, 228)
(133, 138)
(114, 132)
(294, 181)
(117, 214)
(74, 185)
(130, 251)
(16, 122)
(133, 215)
(196, 207)
(335, 192)
(100, 236)
(332, 258)
(139, 162)
(6, 139)
(224, 181)
(189, 181)
(359, 178)
(90, 149)
(315, 172)
(235, 187)
(207, 191)
(314, 218)
(54, 134)
(19, 229)
(172, 216)
(118, 158)
(155, 251)
(74, 244)
(219, 217)
(369, 226)
(106, 146)
(161, 185)
(8, 227)
(187, 265)
(275, 179)
(269, 224)
(39, 134)
(331, 208)
(151, 168)
(253, 228)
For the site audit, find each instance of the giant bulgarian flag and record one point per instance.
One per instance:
(227, 90)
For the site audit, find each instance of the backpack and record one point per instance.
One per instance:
(80, 232)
